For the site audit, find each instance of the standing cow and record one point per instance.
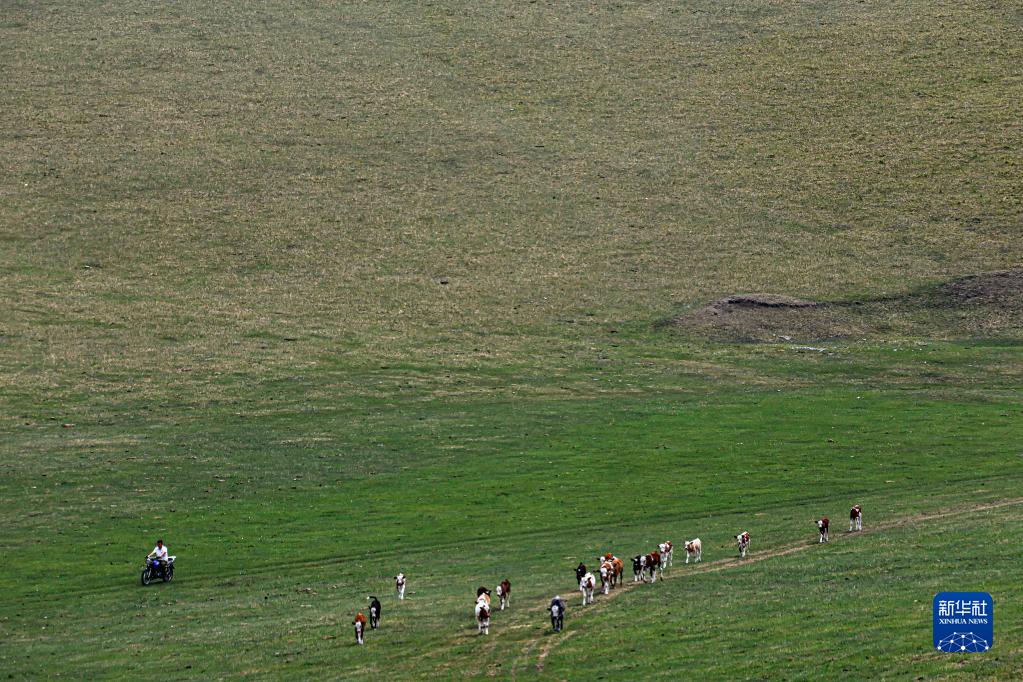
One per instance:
(619, 571)
(399, 585)
(667, 553)
(580, 571)
(586, 585)
(822, 528)
(483, 614)
(607, 576)
(638, 564)
(374, 612)
(855, 518)
(504, 593)
(360, 626)
(743, 541)
(652, 563)
(694, 548)
(617, 567)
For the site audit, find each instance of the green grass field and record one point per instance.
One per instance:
(323, 292)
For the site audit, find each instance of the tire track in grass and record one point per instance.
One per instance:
(735, 562)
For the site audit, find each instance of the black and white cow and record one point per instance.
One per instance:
(374, 612)
(638, 564)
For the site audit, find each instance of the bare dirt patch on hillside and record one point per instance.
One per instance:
(984, 305)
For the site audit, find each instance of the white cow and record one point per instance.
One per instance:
(694, 549)
(586, 585)
(399, 585)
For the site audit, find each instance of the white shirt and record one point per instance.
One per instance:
(160, 552)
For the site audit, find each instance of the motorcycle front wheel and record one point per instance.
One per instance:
(147, 576)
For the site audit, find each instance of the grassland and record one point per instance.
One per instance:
(322, 292)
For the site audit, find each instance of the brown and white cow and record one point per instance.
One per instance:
(743, 541)
(653, 565)
(399, 585)
(504, 593)
(617, 567)
(855, 518)
(694, 549)
(619, 570)
(360, 626)
(483, 615)
(607, 576)
(822, 528)
(586, 585)
(667, 553)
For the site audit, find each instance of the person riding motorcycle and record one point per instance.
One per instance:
(559, 602)
(160, 554)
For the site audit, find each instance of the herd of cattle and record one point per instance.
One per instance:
(645, 568)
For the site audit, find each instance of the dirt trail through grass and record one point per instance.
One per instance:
(735, 562)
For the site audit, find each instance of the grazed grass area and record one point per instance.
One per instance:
(219, 188)
(327, 291)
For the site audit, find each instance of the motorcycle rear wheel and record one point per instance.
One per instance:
(168, 574)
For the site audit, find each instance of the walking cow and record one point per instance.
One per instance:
(652, 562)
(483, 614)
(694, 548)
(822, 528)
(374, 612)
(607, 576)
(743, 541)
(360, 626)
(617, 567)
(855, 518)
(586, 585)
(504, 593)
(399, 585)
(667, 553)
(638, 564)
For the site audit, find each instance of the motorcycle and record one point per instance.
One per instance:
(153, 570)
